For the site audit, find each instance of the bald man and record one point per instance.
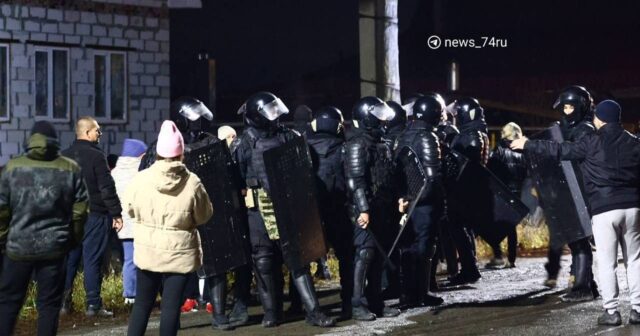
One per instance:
(104, 215)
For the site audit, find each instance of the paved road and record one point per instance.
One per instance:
(503, 302)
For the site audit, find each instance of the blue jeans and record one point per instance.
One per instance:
(14, 281)
(94, 245)
(129, 270)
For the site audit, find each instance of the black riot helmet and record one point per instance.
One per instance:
(370, 113)
(429, 109)
(407, 104)
(190, 115)
(262, 110)
(467, 109)
(327, 119)
(400, 119)
(578, 97)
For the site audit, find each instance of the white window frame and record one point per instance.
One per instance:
(8, 92)
(107, 108)
(49, 116)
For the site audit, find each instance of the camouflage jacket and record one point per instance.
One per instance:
(43, 203)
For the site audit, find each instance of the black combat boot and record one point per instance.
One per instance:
(581, 290)
(424, 280)
(359, 310)
(218, 293)
(267, 291)
(408, 281)
(304, 285)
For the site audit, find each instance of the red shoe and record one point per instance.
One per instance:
(189, 305)
(209, 308)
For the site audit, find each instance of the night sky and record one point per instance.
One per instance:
(307, 51)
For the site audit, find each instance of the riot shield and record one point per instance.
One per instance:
(559, 193)
(485, 203)
(413, 181)
(224, 238)
(293, 193)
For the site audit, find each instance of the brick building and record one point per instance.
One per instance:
(63, 59)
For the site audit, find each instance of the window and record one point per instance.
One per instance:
(4, 82)
(52, 83)
(110, 86)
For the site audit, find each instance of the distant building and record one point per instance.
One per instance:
(63, 59)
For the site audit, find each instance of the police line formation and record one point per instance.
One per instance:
(404, 186)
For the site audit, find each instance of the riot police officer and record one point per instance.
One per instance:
(576, 122)
(326, 145)
(193, 119)
(417, 246)
(368, 166)
(472, 143)
(446, 131)
(261, 114)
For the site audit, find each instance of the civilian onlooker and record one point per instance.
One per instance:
(43, 207)
(611, 159)
(167, 202)
(104, 214)
(509, 166)
(229, 134)
(126, 168)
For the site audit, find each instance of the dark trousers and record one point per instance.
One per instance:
(553, 262)
(147, 287)
(464, 241)
(192, 289)
(15, 277)
(512, 247)
(446, 249)
(422, 229)
(94, 245)
(339, 235)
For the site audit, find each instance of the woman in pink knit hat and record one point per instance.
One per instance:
(167, 202)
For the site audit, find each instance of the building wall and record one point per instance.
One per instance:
(140, 28)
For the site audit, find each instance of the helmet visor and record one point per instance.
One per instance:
(194, 111)
(383, 112)
(273, 110)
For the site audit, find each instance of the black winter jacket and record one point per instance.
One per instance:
(103, 198)
(610, 162)
(509, 166)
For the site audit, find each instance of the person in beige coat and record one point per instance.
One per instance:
(167, 202)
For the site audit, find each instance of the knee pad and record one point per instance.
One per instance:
(264, 265)
(366, 255)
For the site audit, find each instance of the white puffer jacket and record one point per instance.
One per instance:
(126, 168)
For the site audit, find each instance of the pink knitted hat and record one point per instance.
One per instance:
(170, 143)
